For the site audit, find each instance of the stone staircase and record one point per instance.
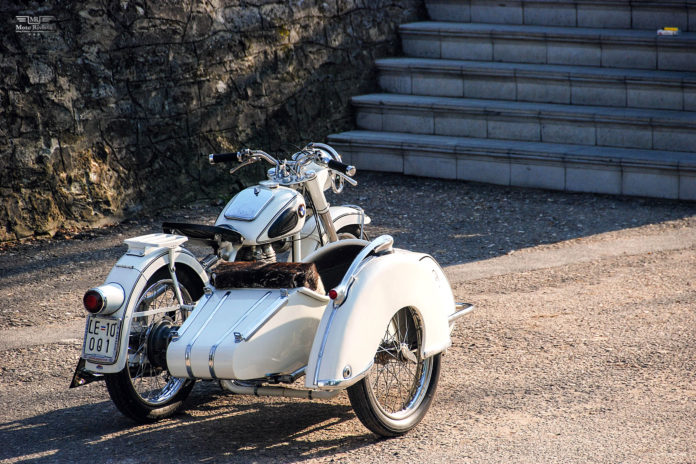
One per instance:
(576, 95)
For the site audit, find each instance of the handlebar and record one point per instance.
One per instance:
(319, 153)
(222, 157)
(346, 169)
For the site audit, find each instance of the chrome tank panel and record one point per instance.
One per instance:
(252, 211)
(246, 334)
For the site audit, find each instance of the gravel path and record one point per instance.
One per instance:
(580, 349)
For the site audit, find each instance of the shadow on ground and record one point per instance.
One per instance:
(216, 427)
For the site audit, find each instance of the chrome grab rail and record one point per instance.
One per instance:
(379, 245)
(460, 309)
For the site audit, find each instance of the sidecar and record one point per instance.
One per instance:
(355, 315)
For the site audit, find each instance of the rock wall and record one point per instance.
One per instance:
(109, 108)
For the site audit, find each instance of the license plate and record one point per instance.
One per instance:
(101, 339)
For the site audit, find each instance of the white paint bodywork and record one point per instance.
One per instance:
(247, 334)
(349, 334)
(147, 254)
(273, 201)
(278, 199)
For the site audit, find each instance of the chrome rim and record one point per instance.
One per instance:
(154, 385)
(397, 382)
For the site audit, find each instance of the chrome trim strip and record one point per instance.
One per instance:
(351, 380)
(312, 294)
(267, 317)
(187, 355)
(380, 244)
(248, 311)
(213, 349)
(324, 339)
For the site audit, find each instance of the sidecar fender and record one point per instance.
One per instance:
(131, 272)
(349, 333)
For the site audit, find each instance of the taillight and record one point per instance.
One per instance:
(333, 294)
(93, 301)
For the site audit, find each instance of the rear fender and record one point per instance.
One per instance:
(349, 333)
(131, 272)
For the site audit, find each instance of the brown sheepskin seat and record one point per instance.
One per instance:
(267, 275)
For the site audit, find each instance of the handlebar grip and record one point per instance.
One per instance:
(346, 169)
(222, 157)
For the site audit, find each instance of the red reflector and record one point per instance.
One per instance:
(93, 301)
(333, 294)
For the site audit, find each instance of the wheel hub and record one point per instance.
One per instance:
(158, 341)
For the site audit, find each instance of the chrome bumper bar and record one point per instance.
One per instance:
(460, 309)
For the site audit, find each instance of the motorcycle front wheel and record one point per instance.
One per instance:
(398, 390)
(144, 390)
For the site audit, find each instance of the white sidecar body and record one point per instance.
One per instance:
(247, 333)
(266, 333)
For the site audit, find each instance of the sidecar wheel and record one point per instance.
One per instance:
(396, 394)
(144, 391)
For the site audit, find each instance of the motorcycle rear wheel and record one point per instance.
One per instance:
(142, 391)
(397, 392)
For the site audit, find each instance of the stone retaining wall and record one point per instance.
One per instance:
(109, 109)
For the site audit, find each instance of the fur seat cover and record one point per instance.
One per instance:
(267, 275)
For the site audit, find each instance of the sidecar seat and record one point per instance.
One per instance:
(333, 260)
(266, 275)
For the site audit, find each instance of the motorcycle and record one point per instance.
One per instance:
(341, 311)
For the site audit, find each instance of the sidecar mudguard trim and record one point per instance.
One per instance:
(132, 272)
(349, 333)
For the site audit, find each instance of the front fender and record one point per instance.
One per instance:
(349, 334)
(132, 273)
(342, 216)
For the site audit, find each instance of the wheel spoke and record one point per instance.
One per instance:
(154, 385)
(397, 381)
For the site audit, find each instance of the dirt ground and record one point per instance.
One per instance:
(580, 348)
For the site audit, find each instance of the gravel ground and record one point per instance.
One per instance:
(588, 361)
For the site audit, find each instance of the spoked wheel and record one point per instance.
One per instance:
(144, 390)
(396, 394)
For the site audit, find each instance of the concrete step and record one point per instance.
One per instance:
(577, 85)
(611, 48)
(532, 122)
(566, 167)
(619, 14)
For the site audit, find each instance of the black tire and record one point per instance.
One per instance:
(398, 406)
(351, 231)
(128, 388)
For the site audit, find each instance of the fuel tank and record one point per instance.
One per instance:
(244, 334)
(264, 213)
